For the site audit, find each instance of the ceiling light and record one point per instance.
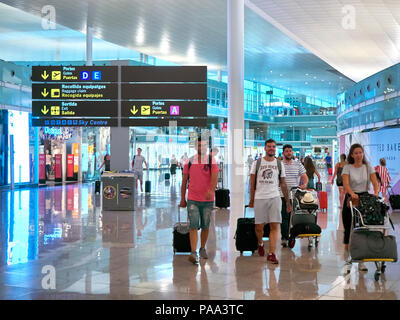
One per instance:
(140, 35)
(191, 57)
(164, 46)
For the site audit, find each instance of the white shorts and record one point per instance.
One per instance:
(138, 174)
(268, 210)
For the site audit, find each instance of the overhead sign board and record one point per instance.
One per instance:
(163, 74)
(51, 108)
(164, 108)
(72, 91)
(74, 73)
(93, 96)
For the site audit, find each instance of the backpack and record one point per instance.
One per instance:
(258, 164)
(339, 177)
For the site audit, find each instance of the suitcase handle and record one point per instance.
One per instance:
(179, 215)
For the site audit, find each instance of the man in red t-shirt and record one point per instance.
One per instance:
(202, 170)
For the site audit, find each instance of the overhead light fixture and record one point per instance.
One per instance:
(191, 57)
(164, 46)
(140, 35)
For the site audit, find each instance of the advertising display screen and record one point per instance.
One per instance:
(58, 169)
(18, 126)
(384, 143)
(42, 167)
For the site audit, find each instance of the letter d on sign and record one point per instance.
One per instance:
(49, 280)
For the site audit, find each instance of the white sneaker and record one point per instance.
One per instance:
(362, 267)
(347, 267)
(284, 243)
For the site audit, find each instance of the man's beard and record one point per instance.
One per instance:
(288, 159)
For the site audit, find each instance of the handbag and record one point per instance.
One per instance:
(394, 199)
(366, 244)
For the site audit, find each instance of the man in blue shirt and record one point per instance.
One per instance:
(328, 160)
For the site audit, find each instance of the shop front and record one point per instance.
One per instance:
(58, 154)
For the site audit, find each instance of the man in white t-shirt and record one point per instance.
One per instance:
(137, 167)
(265, 197)
(295, 173)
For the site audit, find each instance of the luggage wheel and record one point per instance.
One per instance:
(292, 242)
(309, 242)
(316, 242)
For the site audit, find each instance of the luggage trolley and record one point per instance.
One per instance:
(357, 223)
(303, 213)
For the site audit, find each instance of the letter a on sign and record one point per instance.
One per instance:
(174, 111)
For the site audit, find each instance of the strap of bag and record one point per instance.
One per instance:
(391, 222)
(280, 169)
(179, 215)
(258, 164)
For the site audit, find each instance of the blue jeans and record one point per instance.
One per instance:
(310, 184)
(199, 213)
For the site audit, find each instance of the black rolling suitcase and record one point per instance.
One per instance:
(181, 240)
(245, 236)
(97, 185)
(394, 199)
(147, 184)
(222, 197)
(167, 176)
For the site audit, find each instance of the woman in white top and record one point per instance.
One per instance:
(357, 176)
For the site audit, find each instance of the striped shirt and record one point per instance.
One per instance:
(384, 175)
(294, 170)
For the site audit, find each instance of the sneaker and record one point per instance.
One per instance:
(193, 258)
(261, 252)
(347, 267)
(271, 258)
(362, 267)
(284, 243)
(203, 253)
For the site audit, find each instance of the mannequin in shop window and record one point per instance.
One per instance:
(48, 163)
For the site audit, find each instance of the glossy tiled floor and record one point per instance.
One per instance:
(128, 255)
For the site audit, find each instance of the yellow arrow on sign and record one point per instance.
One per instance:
(134, 110)
(45, 92)
(45, 110)
(45, 75)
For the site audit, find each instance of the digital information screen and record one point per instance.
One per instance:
(89, 96)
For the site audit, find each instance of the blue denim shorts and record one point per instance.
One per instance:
(199, 213)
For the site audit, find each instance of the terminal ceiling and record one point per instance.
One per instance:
(296, 44)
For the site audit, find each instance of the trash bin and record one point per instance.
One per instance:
(118, 191)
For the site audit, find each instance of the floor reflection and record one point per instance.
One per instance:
(129, 255)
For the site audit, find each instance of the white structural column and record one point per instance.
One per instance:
(89, 46)
(236, 103)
